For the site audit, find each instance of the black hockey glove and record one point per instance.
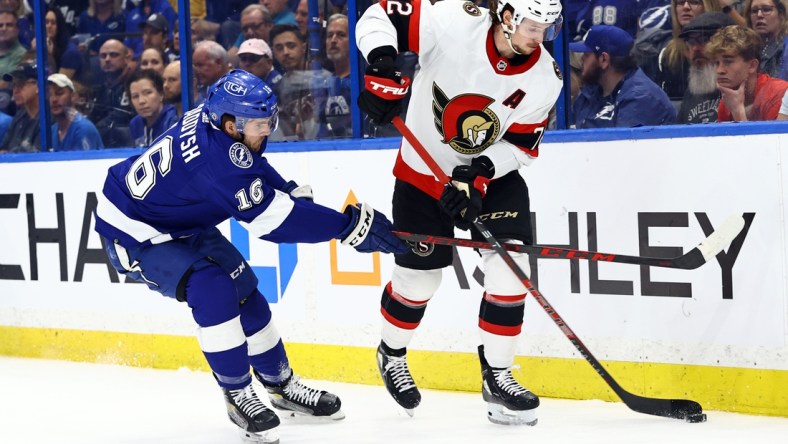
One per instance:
(385, 87)
(370, 231)
(462, 198)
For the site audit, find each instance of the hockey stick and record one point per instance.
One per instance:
(690, 260)
(687, 410)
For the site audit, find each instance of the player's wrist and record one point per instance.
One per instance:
(382, 54)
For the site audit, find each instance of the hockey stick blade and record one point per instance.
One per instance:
(691, 260)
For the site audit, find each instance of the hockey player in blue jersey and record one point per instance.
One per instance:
(157, 215)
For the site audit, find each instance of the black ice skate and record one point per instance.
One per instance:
(257, 422)
(393, 369)
(300, 400)
(508, 402)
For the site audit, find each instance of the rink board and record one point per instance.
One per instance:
(716, 334)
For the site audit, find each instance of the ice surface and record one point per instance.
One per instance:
(44, 401)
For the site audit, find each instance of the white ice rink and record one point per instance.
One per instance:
(64, 402)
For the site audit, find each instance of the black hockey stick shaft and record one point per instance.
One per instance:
(672, 408)
(691, 260)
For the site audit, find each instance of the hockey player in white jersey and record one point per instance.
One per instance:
(480, 106)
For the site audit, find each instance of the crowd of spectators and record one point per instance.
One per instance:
(114, 65)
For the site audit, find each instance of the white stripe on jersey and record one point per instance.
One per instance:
(263, 340)
(140, 231)
(222, 337)
(272, 217)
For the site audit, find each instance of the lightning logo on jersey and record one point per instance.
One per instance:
(466, 122)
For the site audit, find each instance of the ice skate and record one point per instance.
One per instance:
(299, 400)
(393, 369)
(508, 402)
(257, 422)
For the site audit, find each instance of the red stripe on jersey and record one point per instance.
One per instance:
(413, 26)
(396, 322)
(424, 182)
(500, 330)
(402, 299)
(502, 65)
(526, 136)
(504, 299)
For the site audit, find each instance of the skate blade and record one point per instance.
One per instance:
(266, 437)
(410, 412)
(499, 414)
(293, 416)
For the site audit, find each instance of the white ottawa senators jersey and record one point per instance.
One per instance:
(467, 100)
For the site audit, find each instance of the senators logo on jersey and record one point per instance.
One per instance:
(465, 121)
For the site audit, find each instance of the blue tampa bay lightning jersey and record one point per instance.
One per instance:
(193, 177)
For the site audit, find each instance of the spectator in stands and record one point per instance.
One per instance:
(746, 93)
(70, 9)
(256, 23)
(149, 14)
(701, 97)
(112, 110)
(221, 22)
(666, 62)
(302, 16)
(209, 62)
(171, 84)
(155, 34)
(768, 19)
(280, 12)
(335, 113)
(255, 57)
(23, 134)
(154, 59)
(300, 91)
(83, 98)
(71, 131)
(154, 117)
(24, 17)
(65, 54)
(11, 51)
(616, 92)
(103, 20)
(783, 114)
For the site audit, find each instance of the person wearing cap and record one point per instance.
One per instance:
(155, 34)
(71, 131)
(24, 133)
(747, 94)
(155, 14)
(701, 96)
(255, 56)
(616, 93)
(154, 117)
(663, 56)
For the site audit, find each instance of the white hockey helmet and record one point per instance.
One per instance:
(540, 11)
